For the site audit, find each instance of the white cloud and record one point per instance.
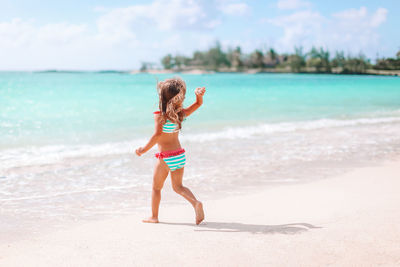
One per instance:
(361, 17)
(292, 4)
(299, 28)
(25, 45)
(24, 33)
(60, 33)
(379, 17)
(126, 24)
(236, 9)
(15, 32)
(163, 14)
(352, 14)
(122, 38)
(352, 30)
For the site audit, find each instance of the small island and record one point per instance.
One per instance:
(317, 60)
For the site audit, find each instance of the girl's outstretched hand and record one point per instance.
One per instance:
(200, 91)
(139, 151)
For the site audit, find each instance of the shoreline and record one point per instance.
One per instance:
(390, 73)
(393, 73)
(112, 197)
(350, 219)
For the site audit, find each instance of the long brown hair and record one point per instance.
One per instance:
(172, 93)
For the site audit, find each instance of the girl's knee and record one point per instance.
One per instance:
(177, 188)
(157, 188)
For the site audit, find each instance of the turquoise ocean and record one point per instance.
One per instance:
(67, 140)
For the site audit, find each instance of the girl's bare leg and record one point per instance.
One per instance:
(160, 174)
(176, 178)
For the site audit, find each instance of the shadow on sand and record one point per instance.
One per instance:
(232, 227)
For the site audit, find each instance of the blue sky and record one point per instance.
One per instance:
(120, 34)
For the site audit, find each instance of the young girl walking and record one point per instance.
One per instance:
(171, 157)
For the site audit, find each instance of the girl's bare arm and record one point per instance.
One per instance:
(199, 101)
(153, 139)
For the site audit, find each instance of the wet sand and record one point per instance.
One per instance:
(349, 220)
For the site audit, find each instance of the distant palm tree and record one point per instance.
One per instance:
(235, 58)
(272, 54)
(256, 59)
(167, 62)
(319, 59)
(298, 60)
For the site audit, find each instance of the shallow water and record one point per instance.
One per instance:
(67, 139)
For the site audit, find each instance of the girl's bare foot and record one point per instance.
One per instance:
(150, 220)
(198, 208)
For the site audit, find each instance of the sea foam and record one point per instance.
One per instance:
(31, 156)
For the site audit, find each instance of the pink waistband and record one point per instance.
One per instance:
(167, 154)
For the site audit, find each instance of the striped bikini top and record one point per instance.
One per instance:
(169, 126)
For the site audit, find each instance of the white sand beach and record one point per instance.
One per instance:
(350, 220)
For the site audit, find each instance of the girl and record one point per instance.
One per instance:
(171, 158)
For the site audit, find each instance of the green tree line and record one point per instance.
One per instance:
(316, 60)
